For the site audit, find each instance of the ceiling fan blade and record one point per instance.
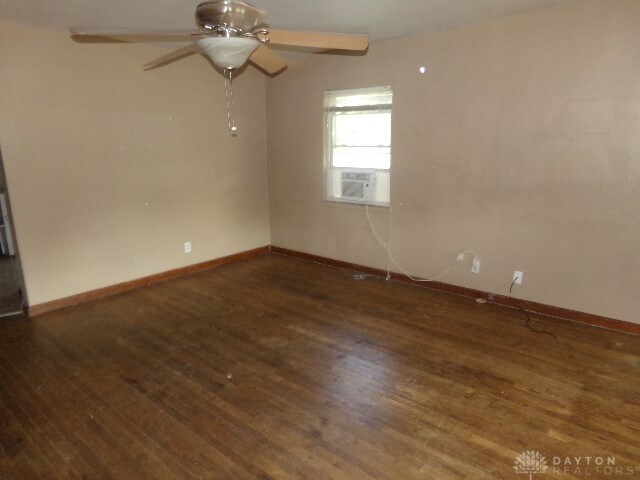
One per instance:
(88, 35)
(172, 57)
(333, 41)
(267, 60)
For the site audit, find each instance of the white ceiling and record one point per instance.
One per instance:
(381, 19)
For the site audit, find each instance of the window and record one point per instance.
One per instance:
(358, 153)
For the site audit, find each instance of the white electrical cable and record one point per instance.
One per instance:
(390, 259)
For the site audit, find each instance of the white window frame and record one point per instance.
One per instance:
(357, 102)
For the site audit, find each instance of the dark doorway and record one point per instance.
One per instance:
(10, 271)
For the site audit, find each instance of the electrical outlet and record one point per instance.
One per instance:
(475, 266)
(517, 277)
(187, 247)
(460, 257)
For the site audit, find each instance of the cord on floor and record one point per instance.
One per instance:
(528, 322)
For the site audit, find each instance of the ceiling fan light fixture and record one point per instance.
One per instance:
(228, 52)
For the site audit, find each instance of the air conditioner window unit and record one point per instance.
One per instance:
(358, 185)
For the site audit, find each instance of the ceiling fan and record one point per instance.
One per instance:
(230, 33)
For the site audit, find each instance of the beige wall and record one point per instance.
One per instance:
(522, 143)
(110, 168)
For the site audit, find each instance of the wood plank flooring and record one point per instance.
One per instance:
(274, 368)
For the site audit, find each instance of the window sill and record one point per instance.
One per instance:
(344, 204)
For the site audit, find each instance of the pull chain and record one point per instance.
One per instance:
(228, 91)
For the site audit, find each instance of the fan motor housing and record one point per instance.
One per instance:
(231, 15)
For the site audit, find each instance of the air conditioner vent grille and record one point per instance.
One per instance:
(359, 176)
(352, 189)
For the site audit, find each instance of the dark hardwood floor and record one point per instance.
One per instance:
(274, 368)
